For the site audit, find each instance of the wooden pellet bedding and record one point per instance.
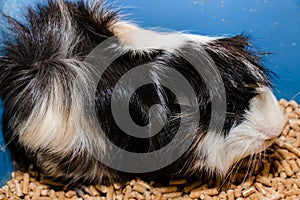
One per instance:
(275, 175)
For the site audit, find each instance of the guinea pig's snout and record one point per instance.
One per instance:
(265, 114)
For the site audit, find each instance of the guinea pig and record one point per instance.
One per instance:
(90, 96)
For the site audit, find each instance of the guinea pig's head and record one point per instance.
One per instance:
(252, 133)
(262, 122)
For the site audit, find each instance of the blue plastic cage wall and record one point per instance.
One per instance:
(273, 24)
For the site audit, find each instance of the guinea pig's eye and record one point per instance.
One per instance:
(230, 107)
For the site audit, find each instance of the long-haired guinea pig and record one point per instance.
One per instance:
(64, 87)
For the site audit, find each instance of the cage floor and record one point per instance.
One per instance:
(273, 174)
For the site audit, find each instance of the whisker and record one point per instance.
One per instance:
(248, 171)
(297, 94)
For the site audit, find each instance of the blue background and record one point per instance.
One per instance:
(273, 24)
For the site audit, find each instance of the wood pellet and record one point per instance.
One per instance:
(276, 176)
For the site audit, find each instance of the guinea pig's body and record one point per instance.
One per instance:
(57, 118)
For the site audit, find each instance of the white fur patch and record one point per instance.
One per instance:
(201, 38)
(133, 37)
(52, 126)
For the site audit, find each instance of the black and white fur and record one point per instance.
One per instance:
(45, 121)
